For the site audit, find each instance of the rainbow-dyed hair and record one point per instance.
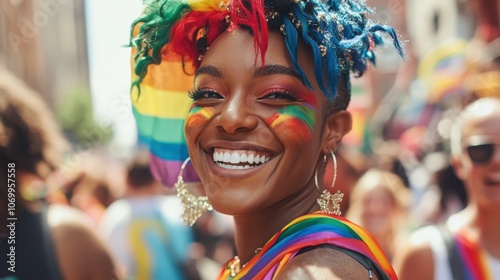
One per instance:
(338, 33)
(171, 37)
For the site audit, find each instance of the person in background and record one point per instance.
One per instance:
(467, 245)
(89, 193)
(215, 232)
(379, 203)
(144, 229)
(51, 241)
(351, 164)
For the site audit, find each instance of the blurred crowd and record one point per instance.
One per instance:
(404, 177)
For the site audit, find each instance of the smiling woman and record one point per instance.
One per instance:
(270, 89)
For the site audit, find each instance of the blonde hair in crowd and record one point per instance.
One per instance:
(378, 178)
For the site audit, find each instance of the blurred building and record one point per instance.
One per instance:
(44, 42)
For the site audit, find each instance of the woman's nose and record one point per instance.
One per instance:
(237, 116)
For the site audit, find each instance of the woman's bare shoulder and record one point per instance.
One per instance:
(324, 263)
(66, 216)
(413, 257)
(82, 254)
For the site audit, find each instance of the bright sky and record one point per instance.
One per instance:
(108, 25)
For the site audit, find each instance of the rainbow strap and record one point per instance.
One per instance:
(306, 231)
(472, 256)
(160, 111)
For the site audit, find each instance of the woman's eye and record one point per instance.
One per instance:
(199, 94)
(280, 95)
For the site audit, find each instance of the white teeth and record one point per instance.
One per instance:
(235, 158)
(228, 166)
(227, 157)
(250, 158)
(243, 158)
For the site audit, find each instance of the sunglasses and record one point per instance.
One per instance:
(481, 148)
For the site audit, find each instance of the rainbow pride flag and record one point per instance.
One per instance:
(160, 111)
(442, 69)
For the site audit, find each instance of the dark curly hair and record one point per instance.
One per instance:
(29, 137)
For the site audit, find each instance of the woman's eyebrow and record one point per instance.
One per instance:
(267, 70)
(275, 69)
(209, 70)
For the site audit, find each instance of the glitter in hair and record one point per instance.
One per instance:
(340, 36)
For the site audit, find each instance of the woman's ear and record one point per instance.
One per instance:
(336, 126)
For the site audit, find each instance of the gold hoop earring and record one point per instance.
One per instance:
(328, 202)
(192, 206)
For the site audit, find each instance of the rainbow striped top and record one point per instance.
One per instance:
(305, 231)
(472, 256)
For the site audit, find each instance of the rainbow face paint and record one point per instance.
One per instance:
(296, 121)
(199, 115)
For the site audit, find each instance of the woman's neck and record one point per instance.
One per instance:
(489, 223)
(252, 231)
(484, 226)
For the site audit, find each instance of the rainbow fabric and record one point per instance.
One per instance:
(442, 70)
(160, 111)
(311, 230)
(472, 256)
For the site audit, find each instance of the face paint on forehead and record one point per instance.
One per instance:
(199, 115)
(296, 121)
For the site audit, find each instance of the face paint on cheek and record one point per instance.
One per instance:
(198, 116)
(295, 121)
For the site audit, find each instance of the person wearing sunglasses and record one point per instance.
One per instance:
(467, 246)
(481, 148)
